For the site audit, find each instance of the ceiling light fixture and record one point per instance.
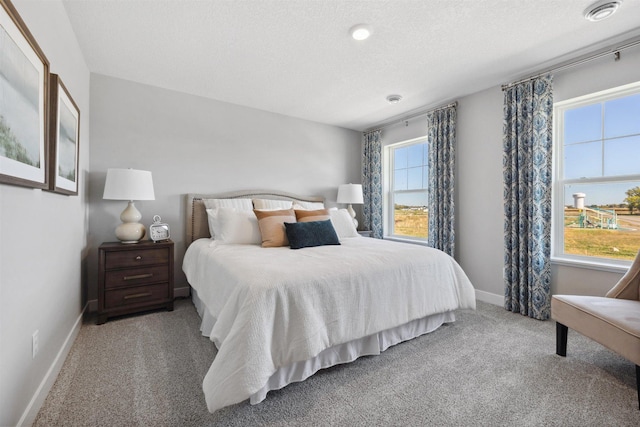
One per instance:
(360, 31)
(394, 99)
(601, 10)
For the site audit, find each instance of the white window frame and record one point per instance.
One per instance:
(557, 224)
(389, 193)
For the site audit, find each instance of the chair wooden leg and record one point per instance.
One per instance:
(561, 339)
(638, 383)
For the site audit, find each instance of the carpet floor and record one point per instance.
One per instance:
(489, 368)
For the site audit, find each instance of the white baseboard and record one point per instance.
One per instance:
(490, 298)
(31, 412)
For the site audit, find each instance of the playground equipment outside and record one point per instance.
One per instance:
(598, 218)
(593, 217)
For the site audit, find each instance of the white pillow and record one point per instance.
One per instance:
(240, 204)
(343, 223)
(230, 225)
(308, 206)
(265, 204)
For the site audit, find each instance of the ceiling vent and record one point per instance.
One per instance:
(394, 99)
(601, 10)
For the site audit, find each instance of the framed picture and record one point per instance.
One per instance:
(64, 139)
(24, 80)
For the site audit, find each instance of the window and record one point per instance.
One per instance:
(597, 177)
(407, 200)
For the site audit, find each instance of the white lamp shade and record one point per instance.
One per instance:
(350, 193)
(128, 184)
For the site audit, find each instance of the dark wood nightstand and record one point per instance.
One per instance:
(134, 277)
(365, 233)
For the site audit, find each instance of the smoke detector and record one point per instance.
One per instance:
(394, 99)
(601, 10)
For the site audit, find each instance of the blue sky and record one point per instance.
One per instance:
(602, 140)
(411, 173)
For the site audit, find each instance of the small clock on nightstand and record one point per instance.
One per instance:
(159, 231)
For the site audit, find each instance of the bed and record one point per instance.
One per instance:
(278, 315)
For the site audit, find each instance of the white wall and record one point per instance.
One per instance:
(198, 145)
(479, 208)
(42, 244)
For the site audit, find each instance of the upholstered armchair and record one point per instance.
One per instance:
(612, 320)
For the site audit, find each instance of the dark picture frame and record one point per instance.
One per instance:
(24, 80)
(64, 139)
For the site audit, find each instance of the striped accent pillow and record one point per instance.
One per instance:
(316, 215)
(271, 224)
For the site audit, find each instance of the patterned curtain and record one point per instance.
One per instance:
(528, 112)
(372, 183)
(441, 134)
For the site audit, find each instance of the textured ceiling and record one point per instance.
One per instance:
(295, 57)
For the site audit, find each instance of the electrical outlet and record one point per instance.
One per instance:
(34, 343)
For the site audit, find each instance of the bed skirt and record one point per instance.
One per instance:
(342, 353)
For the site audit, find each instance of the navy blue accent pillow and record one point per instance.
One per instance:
(312, 233)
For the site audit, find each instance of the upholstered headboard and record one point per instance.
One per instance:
(197, 224)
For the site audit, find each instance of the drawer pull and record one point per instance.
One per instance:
(138, 258)
(138, 276)
(141, 295)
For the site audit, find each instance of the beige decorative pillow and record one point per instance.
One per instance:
(271, 224)
(316, 215)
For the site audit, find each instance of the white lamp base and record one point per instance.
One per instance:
(130, 231)
(353, 215)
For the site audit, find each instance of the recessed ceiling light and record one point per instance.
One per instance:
(601, 10)
(360, 31)
(394, 99)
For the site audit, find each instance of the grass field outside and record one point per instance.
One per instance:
(622, 243)
(411, 222)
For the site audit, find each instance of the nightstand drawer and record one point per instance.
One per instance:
(136, 276)
(137, 295)
(135, 258)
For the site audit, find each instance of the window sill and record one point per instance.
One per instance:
(406, 240)
(611, 267)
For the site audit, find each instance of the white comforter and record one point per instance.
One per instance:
(276, 306)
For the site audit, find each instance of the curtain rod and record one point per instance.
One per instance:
(614, 51)
(410, 116)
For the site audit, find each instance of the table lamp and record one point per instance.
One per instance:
(351, 194)
(129, 184)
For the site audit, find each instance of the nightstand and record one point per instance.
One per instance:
(365, 233)
(134, 277)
